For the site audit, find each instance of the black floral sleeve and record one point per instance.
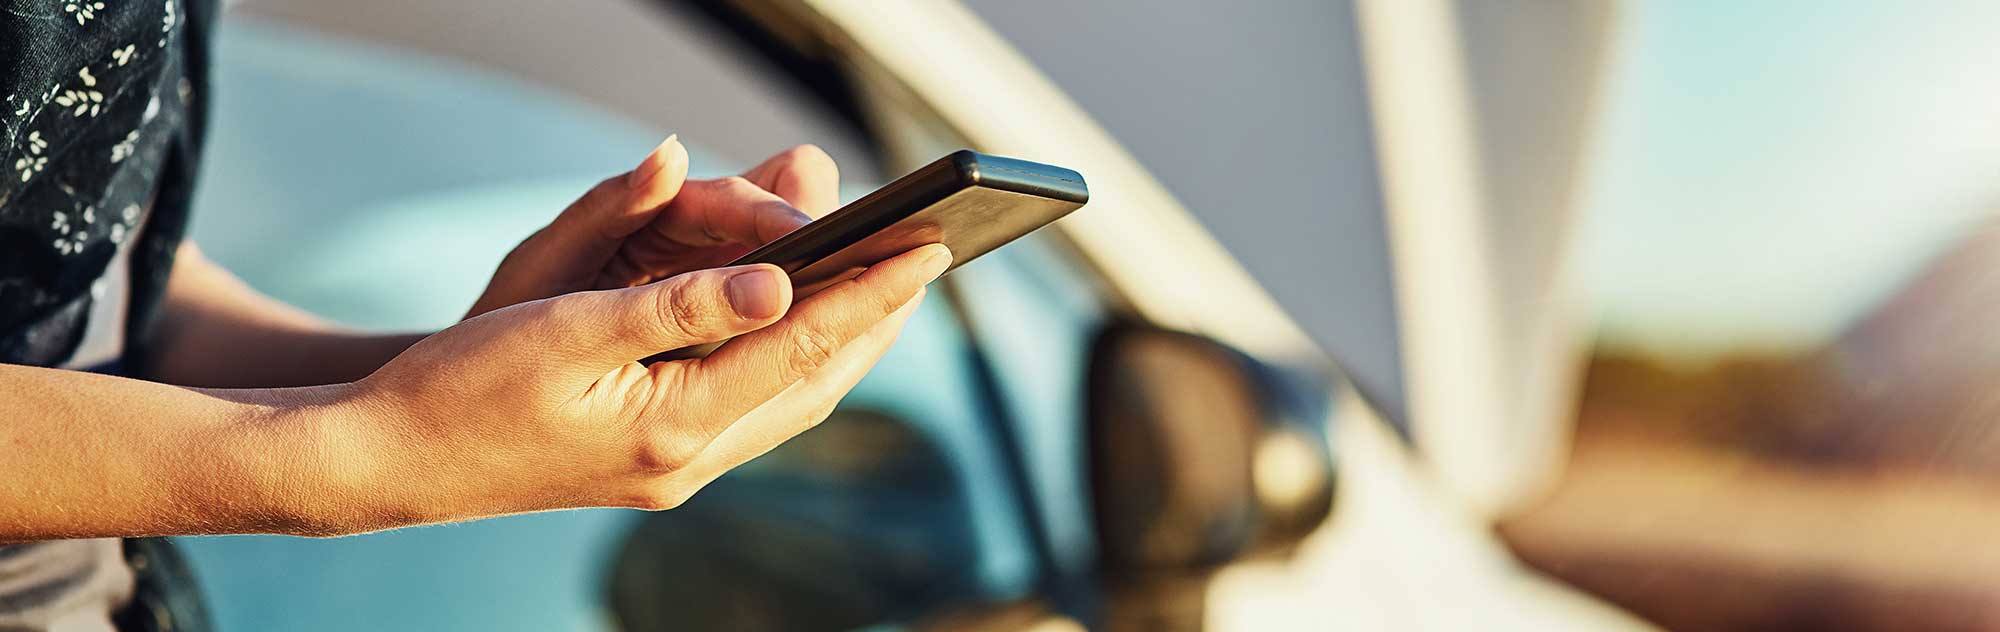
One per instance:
(101, 116)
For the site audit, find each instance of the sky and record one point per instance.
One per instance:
(1765, 171)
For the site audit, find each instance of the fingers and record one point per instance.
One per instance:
(800, 406)
(711, 222)
(803, 175)
(601, 330)
(753, 368)
(622, 204)
(727, 211)
(782, 194)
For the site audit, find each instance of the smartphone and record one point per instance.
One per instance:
(968, 201)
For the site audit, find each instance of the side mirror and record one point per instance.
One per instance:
(1192, 465)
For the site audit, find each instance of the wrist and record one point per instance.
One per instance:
(320, 459)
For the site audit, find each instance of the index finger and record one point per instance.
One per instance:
(729, 210)
(755, 367)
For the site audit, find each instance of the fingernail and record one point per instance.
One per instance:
(648, 168)
(657, 149)
(755, 293)
(937, 261)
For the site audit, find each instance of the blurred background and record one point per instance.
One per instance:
(1416, 314)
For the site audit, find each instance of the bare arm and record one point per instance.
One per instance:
(215, 331)
(91, 455)
(536, 402)
(482, 419)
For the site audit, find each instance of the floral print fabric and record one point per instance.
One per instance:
(100, 128)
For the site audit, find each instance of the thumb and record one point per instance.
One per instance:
(608, 328)
(622, 204)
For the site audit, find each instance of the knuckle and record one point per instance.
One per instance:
(671, 378)
(664, 453)
(810, 157)
(681, 313)
(887, 300)
(811, 349)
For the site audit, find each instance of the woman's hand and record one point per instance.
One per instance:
(542, 405)
(635, 227)
(536, 401)
(652, 223)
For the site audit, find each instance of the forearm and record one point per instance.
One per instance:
(215, 331)
(90, 455)
(227, 351)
